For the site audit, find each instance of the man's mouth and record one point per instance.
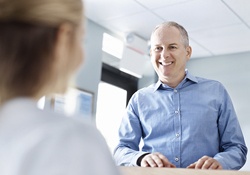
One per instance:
(166, 63)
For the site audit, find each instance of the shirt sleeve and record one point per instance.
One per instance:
(233, 149)
(127, 151)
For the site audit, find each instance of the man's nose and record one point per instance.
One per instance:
(165, 53)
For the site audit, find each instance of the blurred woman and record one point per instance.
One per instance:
(40, 49)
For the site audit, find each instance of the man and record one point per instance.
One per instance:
(183, 120)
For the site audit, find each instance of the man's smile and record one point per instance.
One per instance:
(166, 63)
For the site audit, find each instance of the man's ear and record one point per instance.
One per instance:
(189, 52)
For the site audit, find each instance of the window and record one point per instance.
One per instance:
(112, 45)
(110, 105)
(114, 91)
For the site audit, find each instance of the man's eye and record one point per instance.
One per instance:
(173, 47)
(158, 49)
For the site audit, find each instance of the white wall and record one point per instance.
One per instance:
(233, 71)
(89, 75)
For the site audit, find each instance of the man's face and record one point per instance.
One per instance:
(168, 54)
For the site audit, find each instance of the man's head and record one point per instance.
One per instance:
(170, 52)
(183, 32)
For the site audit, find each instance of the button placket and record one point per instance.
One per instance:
(177, 126)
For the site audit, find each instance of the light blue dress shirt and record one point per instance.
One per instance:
(194, 119)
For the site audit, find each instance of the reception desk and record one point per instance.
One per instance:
(176, 171)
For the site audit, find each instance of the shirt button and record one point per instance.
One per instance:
(175, 90)
(176, 159)
(177, 135)
(176, 112)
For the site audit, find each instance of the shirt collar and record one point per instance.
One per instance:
(188, 77)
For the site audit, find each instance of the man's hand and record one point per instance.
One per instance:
(206, 163)
(156, 160)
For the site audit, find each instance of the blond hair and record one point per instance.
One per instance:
(47, 12)
(28, 31)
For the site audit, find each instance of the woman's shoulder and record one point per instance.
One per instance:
(22, 116)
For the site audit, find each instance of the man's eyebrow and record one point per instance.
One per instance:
(161, 44)
(156, 45)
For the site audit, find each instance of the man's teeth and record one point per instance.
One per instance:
(166, 64)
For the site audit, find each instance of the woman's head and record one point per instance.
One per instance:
(40, 46)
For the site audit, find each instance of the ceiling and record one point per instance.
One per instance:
(215, 27)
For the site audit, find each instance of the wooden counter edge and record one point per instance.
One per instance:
(176, 171)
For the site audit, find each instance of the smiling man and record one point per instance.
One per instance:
(183, 120)
(170, 51)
